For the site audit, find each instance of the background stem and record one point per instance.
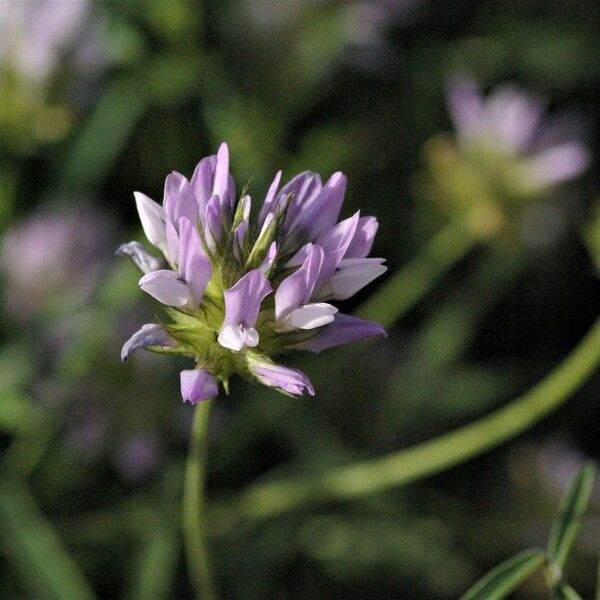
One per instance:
(408, 285)
(194, 530)
(367, 477)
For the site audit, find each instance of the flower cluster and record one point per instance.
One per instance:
(509, 126)
(239, 292)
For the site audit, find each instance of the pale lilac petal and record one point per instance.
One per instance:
(213, 225)
(557, 164)
(142, 259)
(166, 286)
(353, 275)
(344, 329)
(296, 289)
(195, 267)
(311, 316)
(287, 379)
(242, 301)
(270, 258)
(179, 200)
(202, 181)
(232, 337)
(152, 216)
(362, 242)
(222, 179)
(465, 105)
(335, 244)
(198, 385)
(511, 118)
(149, 335)
(269, 203)
(318, 217)
(303, 188)
(172, 245)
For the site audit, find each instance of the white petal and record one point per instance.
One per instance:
(354, 275)
(232, 337)
(166, 286)
(251, 337)
(152, 216)
(310, 316)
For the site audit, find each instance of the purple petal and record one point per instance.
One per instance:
(178, 199)
(166, 286)
(143, 260)
(271, 254)
(242, 301)
(465, 106)
(202, 181)
(304, 188)
(321, 215)
(558, 164)
(213, 225)
(198, 385)
(353, 275)
(195, 267)
(335, 244)
(172, 243)
(362, 242)
(150, 334)
(222, 179)
(344, 329)
(287, 379)
(152, 216)
(296, 289)
(268, 204)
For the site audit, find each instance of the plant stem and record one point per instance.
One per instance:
(194, 529)
(361, 479)
(408, 285)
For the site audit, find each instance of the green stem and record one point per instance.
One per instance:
(361, 479)
(408, 285)
(193, 506)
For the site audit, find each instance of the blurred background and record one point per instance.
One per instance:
(98, 99)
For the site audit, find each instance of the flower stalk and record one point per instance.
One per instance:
(194, 514)
(364, 478)
(410, 284)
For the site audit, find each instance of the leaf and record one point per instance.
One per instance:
(506, 577)
(35, 551)
(156, 564)
(565, 592)
(572, 506)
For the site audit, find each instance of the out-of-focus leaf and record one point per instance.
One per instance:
(34, 549)
(156, 564)
(572, 507)
(17, 415)
(104, 135)
(506, 577)
(565, 592)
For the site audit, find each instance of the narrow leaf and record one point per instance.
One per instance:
(565, 592)
(572, 506)
(506, 577)
(34, 550)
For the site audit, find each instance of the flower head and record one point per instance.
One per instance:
(239, 292)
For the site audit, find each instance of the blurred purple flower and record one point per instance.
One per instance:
(138, 457)
(239, 297)
(54, 256)
(510, 123)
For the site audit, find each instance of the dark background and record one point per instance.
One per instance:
(138, 89)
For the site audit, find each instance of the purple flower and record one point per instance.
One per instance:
(508, 125)
(238, 297)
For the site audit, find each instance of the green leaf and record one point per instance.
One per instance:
(572, 506)
(34, 550)
(506, 577)
(156, 564)
(565, 592)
